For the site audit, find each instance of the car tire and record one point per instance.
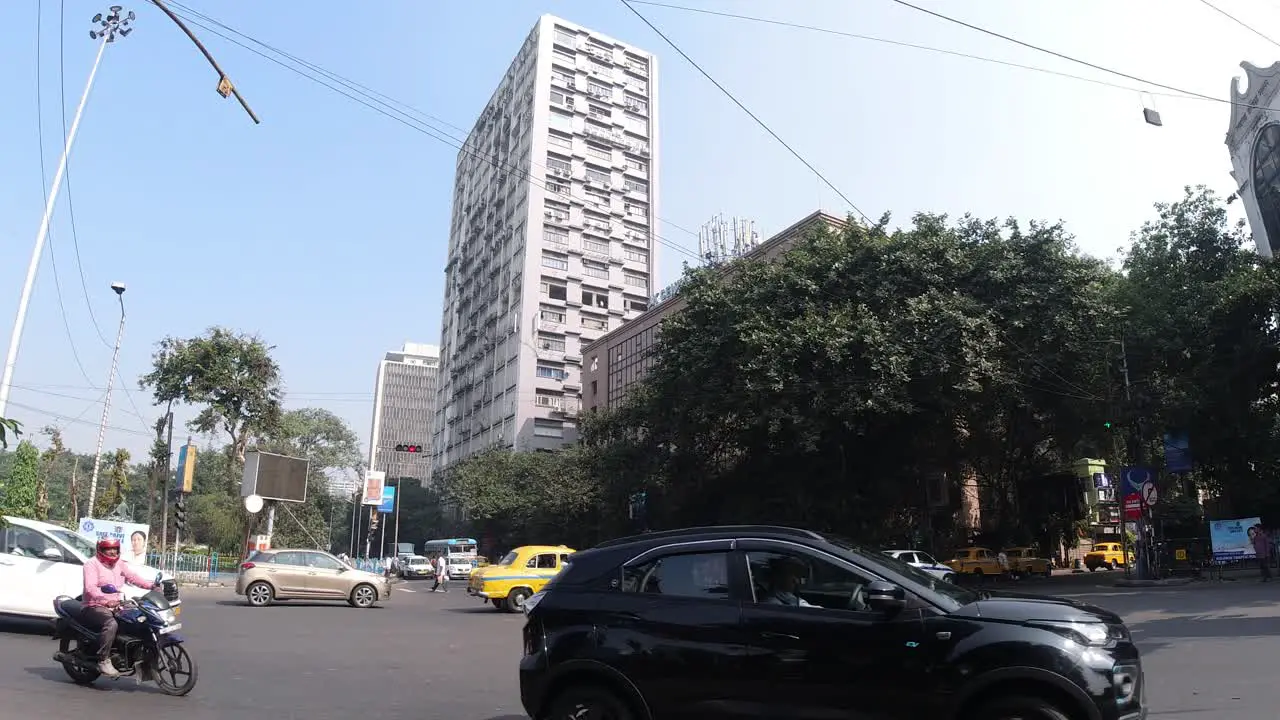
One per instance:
(515, 599)
(590, 701)
(260, 594)
(1019, 707)
(363, 596)
(1111, 566)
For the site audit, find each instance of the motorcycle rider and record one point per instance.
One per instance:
(104, 575)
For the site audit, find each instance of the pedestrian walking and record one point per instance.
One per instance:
(442, 575)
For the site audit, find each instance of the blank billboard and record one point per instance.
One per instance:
(275, 477)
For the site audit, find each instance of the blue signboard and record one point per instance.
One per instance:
(1177, 453)
(388, 500)
(1132, 479)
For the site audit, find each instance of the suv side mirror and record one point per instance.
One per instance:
(886, 597)
(52, 553)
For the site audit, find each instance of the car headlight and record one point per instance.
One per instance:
(1089, 634)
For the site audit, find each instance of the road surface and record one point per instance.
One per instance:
(1210, 651)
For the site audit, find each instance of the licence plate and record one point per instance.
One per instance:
(170, 628)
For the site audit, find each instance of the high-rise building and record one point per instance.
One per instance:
(404, 412)
(551, 242)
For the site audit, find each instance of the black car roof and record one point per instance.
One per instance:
(712, 532)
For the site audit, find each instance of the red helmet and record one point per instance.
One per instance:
(108, 544)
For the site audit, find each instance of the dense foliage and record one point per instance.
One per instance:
(829, 387)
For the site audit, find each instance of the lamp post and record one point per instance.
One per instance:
(110, 26)
(118, 288)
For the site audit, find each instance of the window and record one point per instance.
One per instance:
(291, 558)
(596, 246)
(599, 153)
(779, 578)
(596, 176)
(595, 299)
(639, 186)
(564, 57)
(551, 315)
(555, 292)
(600, 113)
(555, 237)
(599, 67)
(544, 561)
(598, 90)
(562, 77)
(557, 188)
(322, 562)
(558, 97)
(635, 280)
(637, 305)
(560, 121)
(638, 256)
(637, 165)
(598, 198)
(553, 343)
(548, 428)
(565, 37)
(595, 270)
(24, 542)
(560, 141)
(636, 210)
(548, 371)
(559, 167)
(701, 575)
(639, 106)
(591, 323)
(555, 262)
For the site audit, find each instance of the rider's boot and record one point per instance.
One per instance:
(106, 668)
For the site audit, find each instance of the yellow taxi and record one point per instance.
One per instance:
(523, 572)
(1026, 561)
(1110, 555)
(975, 561)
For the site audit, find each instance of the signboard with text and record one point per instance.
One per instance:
(132, 536)
(1132, 506)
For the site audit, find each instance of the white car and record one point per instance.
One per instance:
(40, 561)
(925, 562)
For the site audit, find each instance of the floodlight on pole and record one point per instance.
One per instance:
(109, 27)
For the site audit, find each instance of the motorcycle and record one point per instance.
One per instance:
(147, 647)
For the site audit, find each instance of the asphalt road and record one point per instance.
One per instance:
(1210, 651)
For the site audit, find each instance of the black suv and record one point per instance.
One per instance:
(772, 622)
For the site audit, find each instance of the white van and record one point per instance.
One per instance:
(40, 561)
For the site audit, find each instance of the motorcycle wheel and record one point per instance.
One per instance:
(175, 670)
(79, 674)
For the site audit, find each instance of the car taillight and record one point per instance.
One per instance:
(247, 566)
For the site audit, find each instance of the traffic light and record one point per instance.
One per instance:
(1107, 424)
(180, 513)
(409, 448)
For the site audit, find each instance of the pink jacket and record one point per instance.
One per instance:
(96, 575)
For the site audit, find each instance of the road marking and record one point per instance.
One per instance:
(406, 590)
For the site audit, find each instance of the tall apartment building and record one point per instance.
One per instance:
(404, 412)
(551, 242)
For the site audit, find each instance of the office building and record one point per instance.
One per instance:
(551, 240)
(404, 412)
(619, 359)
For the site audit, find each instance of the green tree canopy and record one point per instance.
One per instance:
(19, 492)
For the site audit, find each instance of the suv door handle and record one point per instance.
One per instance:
(778, 636)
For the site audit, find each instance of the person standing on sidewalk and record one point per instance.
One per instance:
(1262, 548)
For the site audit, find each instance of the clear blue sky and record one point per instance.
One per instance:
(324, 229)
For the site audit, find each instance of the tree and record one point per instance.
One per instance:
(9, 427)
(19, 493)
(117, 484)
(230, 376)
(48, 462)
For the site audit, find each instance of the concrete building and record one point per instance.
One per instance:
(551, 241)
(404, 412)
(619, 359)
(1253, 139)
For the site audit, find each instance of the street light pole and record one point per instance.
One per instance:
(111, 26)
(106, 404)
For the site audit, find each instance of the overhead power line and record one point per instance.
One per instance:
(746, 110)
(1240, 22)
(397, 110)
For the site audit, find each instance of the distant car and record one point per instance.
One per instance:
(925, 562)
(977, 561)
(523, 572)
(1110, 555)
(416, 566)
(273, 575)
(767, 622)
(1024, 561)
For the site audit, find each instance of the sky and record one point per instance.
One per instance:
(324, 229)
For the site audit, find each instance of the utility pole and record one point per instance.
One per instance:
(112, 26)
(75, 502)
(118, 288)
(164, 490)
(1138, 457)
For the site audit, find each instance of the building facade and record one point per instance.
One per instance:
(551, 240)
(404, 412)
(616, 361)
(1253, 139)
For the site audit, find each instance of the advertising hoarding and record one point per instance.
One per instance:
(134, 537)
(1232, 539)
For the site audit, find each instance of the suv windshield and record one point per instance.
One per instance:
(952, 595)
(83, 547)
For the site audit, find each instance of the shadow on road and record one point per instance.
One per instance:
(478, 610)
(1166, 631)
(292, 604)
(55, 673)
(22, 626)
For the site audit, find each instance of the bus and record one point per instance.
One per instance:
(460, 553)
